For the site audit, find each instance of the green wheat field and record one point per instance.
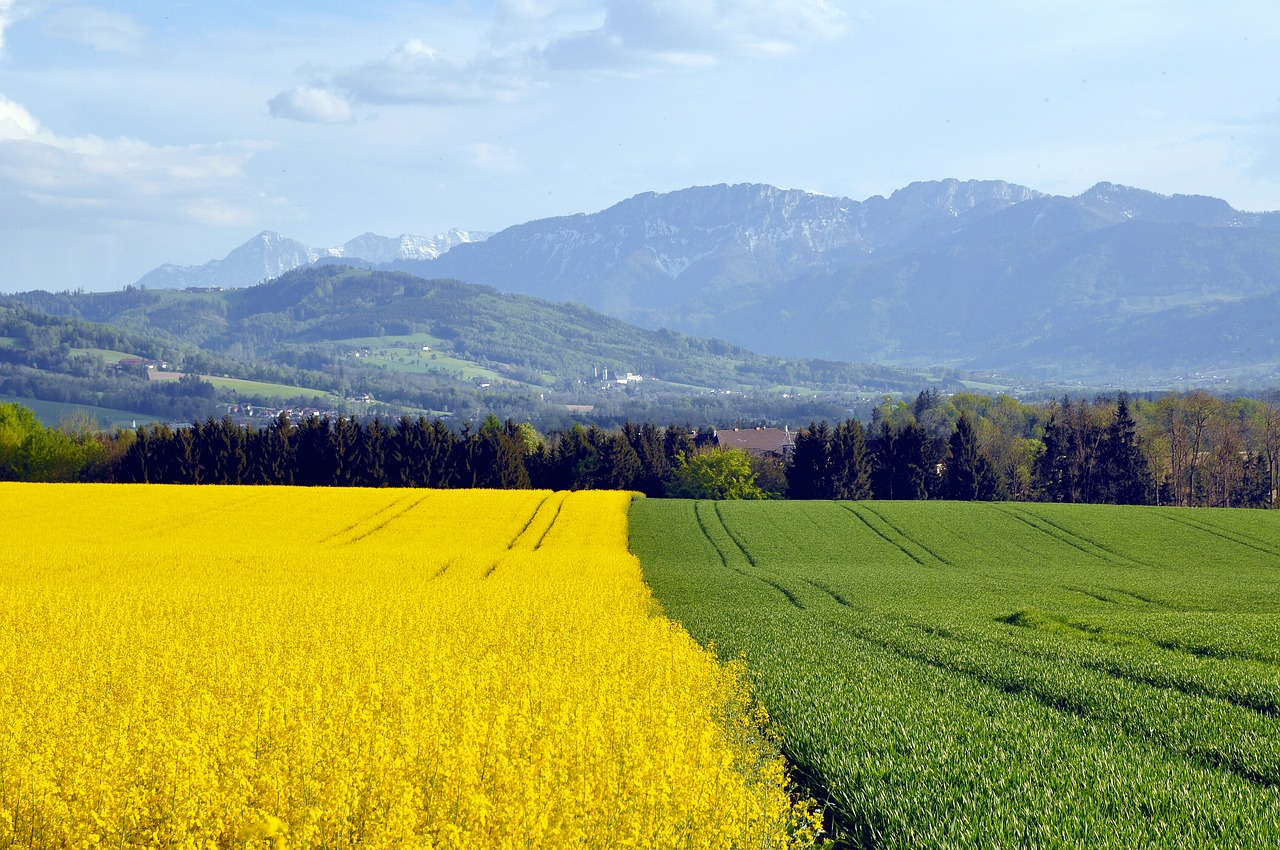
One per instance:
(954, 674)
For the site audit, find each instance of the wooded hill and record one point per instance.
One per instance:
(443, 346)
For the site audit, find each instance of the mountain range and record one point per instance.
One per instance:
(269, 255)
(1115, 284)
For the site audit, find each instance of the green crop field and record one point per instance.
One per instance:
(252, 389)
(952, 674)
(106, 355)
(52, 413)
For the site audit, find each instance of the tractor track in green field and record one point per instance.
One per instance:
(1092, 595)
(1241, 539)
(1065, 702)
(1057, 675)
(840, 600)
(785, 591)
(1113, 600)
(1072, 538)
(882, 535)
(907, 537)
(736, 542)
(706, 532)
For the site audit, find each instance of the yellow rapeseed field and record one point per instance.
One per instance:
(279, 667)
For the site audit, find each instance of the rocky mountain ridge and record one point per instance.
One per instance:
(1115, 284)
(269, 255)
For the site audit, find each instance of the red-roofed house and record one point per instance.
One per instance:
(763, 442)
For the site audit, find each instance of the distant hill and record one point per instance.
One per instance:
(1115, 285)
(326, 317)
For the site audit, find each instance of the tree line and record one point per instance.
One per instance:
(409, 452)
(1191, 449)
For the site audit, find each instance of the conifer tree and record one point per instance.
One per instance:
(809, 470)
(970, 475)
(850, 462)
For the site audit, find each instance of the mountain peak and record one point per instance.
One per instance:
(1152, 206)
(270, 254)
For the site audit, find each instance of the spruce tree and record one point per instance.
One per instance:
(970, 475)
(850, 462)
(809, 470)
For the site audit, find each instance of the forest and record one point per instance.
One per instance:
(1190, 449)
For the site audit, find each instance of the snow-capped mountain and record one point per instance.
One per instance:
(373, 248)
(270, 255)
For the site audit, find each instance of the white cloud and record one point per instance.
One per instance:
(44, 174)
(528, 38)
(6, 18)
(416, 72)
(308, 103)
(681, 33)
(16, 122)
(98, 28)
(537, 21)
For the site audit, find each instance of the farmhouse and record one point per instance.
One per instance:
(762, 442)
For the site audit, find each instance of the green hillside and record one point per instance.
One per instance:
(440, 345)
(530, 340)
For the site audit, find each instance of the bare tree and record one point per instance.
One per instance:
(1271, 439)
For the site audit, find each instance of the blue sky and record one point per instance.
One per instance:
(141, 133)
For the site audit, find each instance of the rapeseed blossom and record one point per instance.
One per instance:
(279, 667)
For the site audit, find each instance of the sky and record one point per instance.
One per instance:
(141, 133)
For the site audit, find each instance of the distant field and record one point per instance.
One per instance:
(422, 362)
(51, 413)
(419, 339)
(999, 675)
(8, 341)
(107, 355)
(405, 354)
(250, 388)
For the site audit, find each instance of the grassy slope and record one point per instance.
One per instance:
(252, 389)
(963, 674)
(52, 413)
